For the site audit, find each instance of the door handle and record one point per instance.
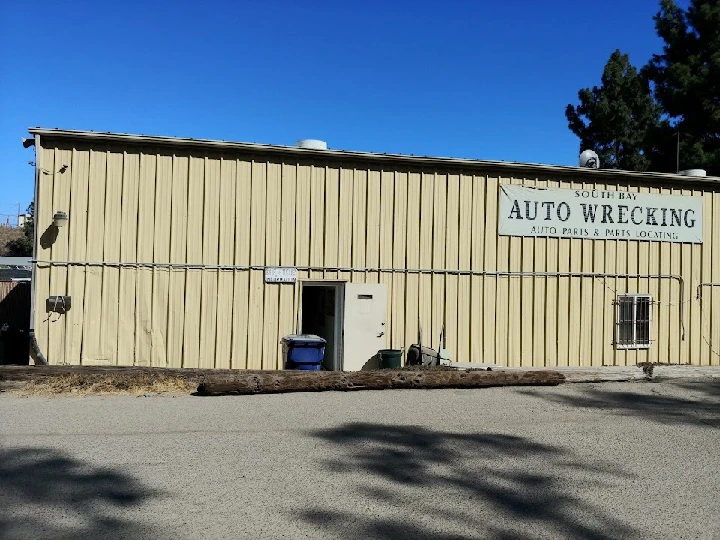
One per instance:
(381, 334)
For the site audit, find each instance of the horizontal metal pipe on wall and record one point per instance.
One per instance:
(699, 288)
(489, 273)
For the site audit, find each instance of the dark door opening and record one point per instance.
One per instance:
(322, 316)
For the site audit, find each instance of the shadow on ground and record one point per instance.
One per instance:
(49, 494)
(420, 483)
(673, 402)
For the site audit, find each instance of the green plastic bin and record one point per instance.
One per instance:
(390, 358)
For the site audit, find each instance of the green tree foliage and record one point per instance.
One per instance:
(23, 246)
(686, 79)
(632, 119)
(612, 119)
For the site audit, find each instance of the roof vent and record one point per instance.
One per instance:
(694, 172)
(589, 159)
(312, 144)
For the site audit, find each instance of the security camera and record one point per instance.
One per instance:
(590, 160)
(27, 143)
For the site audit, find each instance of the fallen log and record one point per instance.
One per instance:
(275, 382)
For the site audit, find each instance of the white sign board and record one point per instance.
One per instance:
(280, 274)
(599, 215)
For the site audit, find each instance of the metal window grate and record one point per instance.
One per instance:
(633, 321)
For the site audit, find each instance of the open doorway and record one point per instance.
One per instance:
(321, 314)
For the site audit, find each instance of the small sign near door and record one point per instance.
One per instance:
(280, 274)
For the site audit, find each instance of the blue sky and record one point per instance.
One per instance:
(477, 79)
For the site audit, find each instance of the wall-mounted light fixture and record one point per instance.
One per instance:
(60, 219)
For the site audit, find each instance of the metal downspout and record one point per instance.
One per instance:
(37, 354)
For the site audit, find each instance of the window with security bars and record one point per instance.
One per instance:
(632, 321)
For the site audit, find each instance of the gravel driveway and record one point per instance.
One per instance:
(614, 460)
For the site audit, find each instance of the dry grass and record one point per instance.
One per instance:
(8, 234)
(95, 384)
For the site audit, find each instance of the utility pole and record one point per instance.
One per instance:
(678, 152)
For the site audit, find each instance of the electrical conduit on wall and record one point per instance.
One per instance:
(490, 273)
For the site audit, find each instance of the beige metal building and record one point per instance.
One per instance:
(196, 253)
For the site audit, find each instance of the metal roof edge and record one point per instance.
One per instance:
(353, 154)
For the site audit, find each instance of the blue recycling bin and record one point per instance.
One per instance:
(303, 351)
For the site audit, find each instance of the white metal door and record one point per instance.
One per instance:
(364, 328)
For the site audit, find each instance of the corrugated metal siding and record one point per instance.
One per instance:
(142, 204)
